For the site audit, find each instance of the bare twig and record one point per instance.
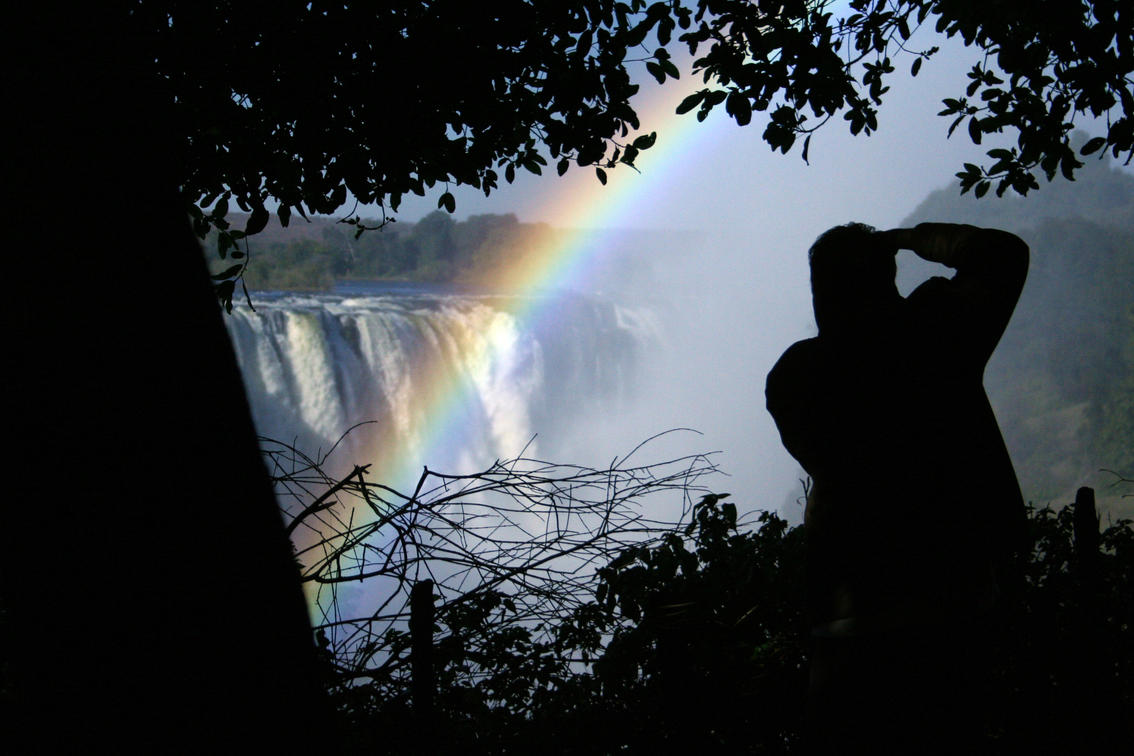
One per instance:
(524, 529)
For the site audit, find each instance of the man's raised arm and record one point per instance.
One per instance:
(991, 268)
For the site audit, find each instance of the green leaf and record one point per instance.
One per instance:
(562, 166)
(1068, 165)
(645, 141)
(256, 221)
(974, 130)
(284, 214)
(916, 66)
(1093, 145)
(690, 102)
(951, 106)
(225, 290)
(601, 175)
(738, 106)
(953, 126)
(623, 559)
(729, 511)
(635, 36)
(448, 202)
(228, 272)
(583, 46)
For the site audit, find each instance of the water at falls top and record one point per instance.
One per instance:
(454, 380)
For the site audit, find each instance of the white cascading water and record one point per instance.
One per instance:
(315, 365)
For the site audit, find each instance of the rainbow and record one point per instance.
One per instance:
(579, 216)
(579, 221)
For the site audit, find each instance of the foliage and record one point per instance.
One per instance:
(710, 650)
(485, 97)
(1067, 644)
(387, 99)
(508, 550)
(1042, 68)
(693, 635)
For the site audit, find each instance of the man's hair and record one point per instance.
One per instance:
(850, 265)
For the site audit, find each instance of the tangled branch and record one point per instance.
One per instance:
(523, 536)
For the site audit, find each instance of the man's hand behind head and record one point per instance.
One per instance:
(897, 238)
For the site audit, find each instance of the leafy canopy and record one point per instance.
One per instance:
(1045, 63)
(303, 105)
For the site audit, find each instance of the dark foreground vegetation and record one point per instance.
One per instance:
(689, 634)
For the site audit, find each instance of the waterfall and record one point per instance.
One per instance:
(451, 380)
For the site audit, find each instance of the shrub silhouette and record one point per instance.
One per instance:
(699, 639)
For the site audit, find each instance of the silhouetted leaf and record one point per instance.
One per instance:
(1093, 145)
(729, 511)
(228, 272)
(690, 102)
(583, 46)
(738, 106)
(256, 221)
(645, 141)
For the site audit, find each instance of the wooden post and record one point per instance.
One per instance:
(1089, 669)
(1086, 519)
(421, 653)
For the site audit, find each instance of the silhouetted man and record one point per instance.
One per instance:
(914, 503)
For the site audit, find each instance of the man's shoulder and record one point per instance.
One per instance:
(806, 349)
(798, 360)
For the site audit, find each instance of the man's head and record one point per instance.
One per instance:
(852, 276)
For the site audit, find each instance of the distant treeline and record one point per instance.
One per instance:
(312, 256)
(1062, 379)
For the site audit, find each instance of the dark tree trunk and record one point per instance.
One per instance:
(152, 599)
